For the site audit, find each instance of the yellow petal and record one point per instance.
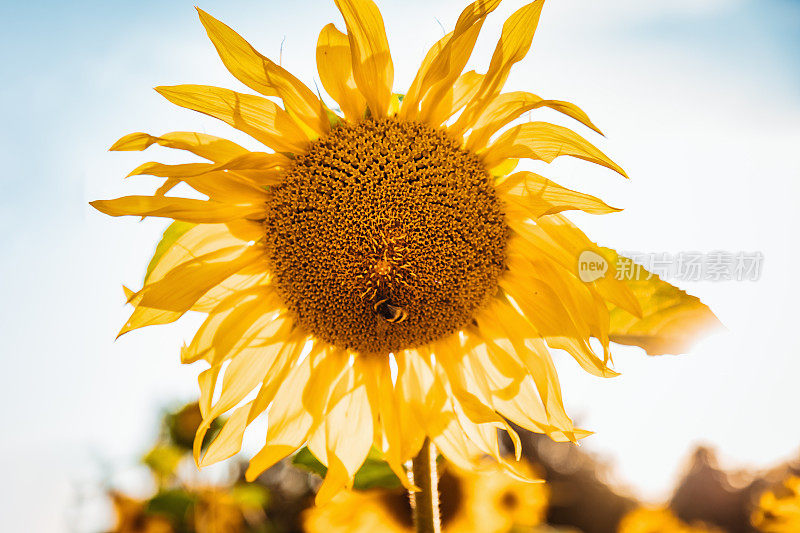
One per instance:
(348, 438)
(565, 242)
(146, 316)
(505, 322)
(288, 423)
(336, 72)
(186, 209)
(402, 439)
(252, 276)
(544, 141)
(244, 319)
(184, 284)
(671, 320)
(417, 389)
(242, 376)
(266, 77)
(539, 196)
(450, 61)
(183, 241)
(372, 63)
(510, 106)
(207, 146)
(456, 98)
(409, 109)
(514, 43)
(207, 179)
(229, 441)
(260, 118)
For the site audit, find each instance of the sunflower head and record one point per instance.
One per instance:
(385, 235)
(374, 274)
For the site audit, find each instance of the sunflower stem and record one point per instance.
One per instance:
(425, 502)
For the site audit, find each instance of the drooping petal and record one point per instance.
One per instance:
(373, 69)
(347, 435)
(335, 69)
(418, 390)
(402, 437)
(229, 441)
(260, 118)
(544, 301)
(266, 77)
(288, 423)
(510, 106)
(544, 141)
(514, 43)
(501, 321)
(206, 146)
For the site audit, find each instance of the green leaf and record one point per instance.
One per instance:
(375, 473)
(305, 459)
(171, 234)
(672, 320)
(174, 504)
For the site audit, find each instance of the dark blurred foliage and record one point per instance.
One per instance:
(581, 498)
(725, 499)
(183, 504)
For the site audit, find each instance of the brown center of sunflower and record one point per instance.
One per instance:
(385, 235)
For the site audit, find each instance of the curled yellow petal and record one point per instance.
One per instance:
(260, 118)
(335, 69)
(456, 98)
(207, 146)
(510, 106)
(452, 58)
(373, 69)
(265, 76)
(514, 43)
(539, 196)
(544, 141)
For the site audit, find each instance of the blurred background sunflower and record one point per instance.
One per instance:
(664, 79)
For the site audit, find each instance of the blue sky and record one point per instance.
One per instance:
(699, 100)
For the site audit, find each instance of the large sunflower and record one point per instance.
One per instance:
(377, 275)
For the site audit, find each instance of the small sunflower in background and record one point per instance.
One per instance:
(491, 502)
(378, 274)
(660, 520)
(778, 511)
